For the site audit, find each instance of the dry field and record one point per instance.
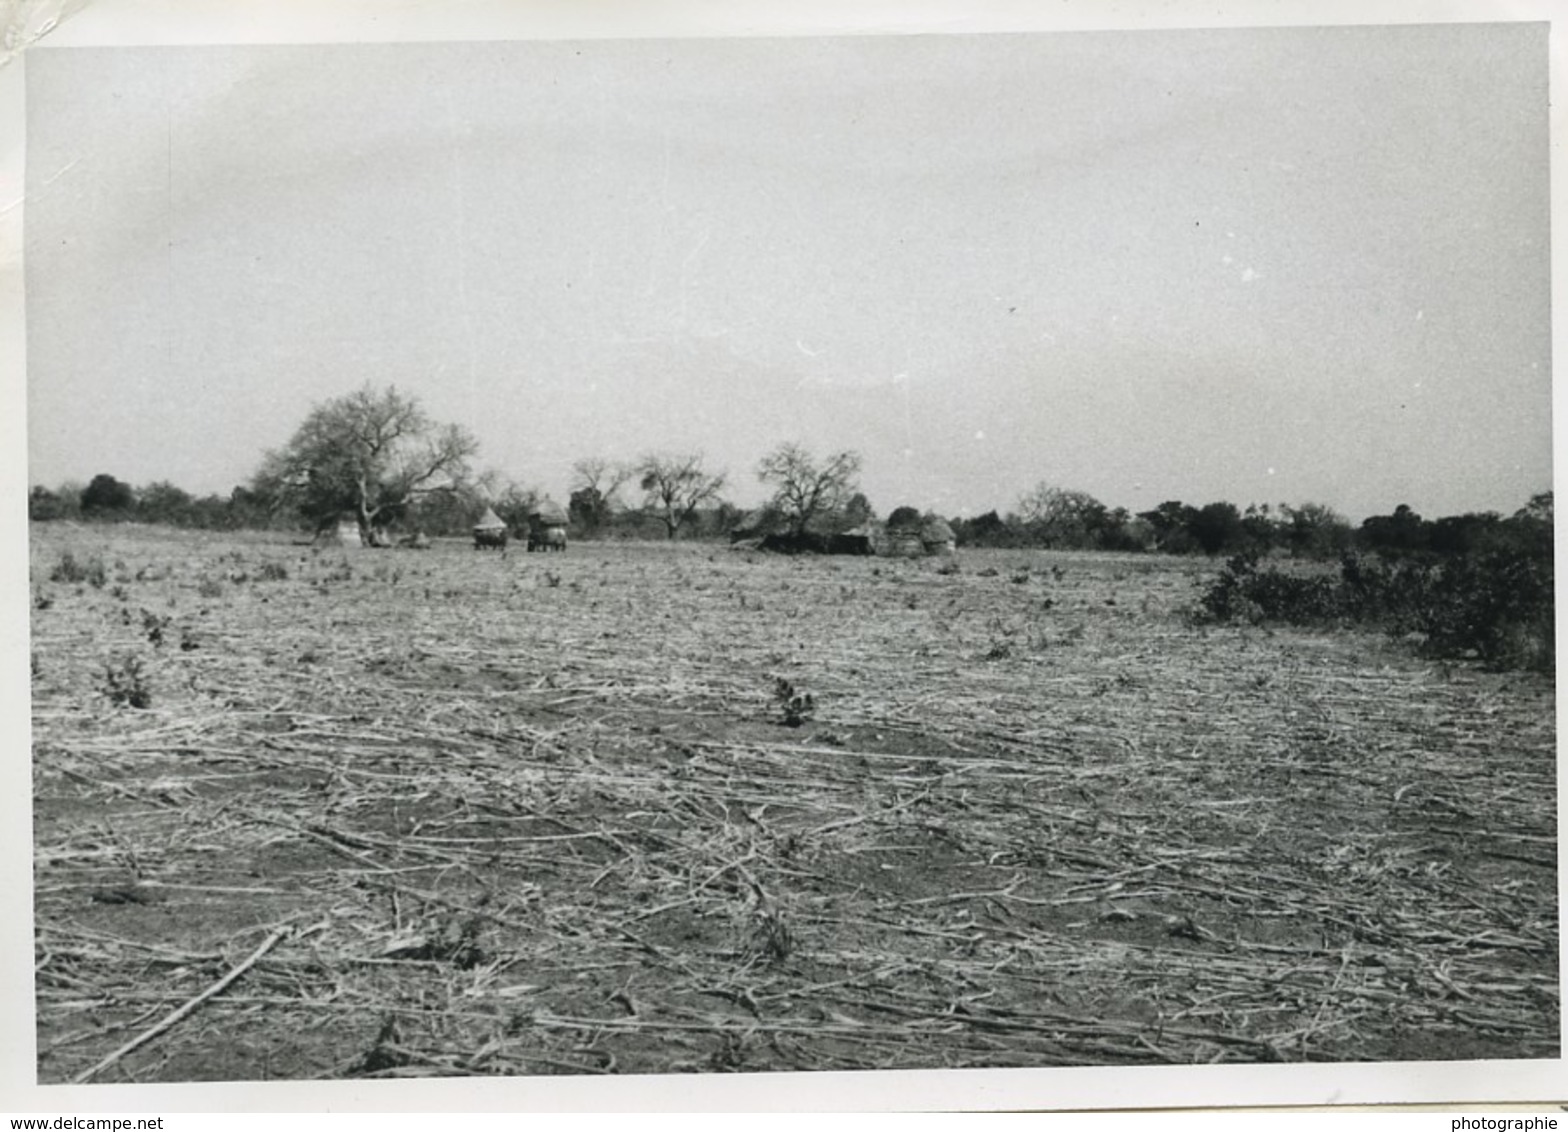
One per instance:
(391, 813)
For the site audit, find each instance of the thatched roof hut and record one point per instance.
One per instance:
(937, 537)
(343, 532)
(916, 537)
(490, 521)
(866, 539)
(902, 539)
(548, 513)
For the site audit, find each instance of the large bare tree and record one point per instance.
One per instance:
(371, 453)
(675, 486)
(603, 476)
(805, 489)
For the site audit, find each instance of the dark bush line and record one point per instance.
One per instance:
(1495, 604)
(1048, 519)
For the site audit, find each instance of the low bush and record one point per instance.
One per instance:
(795, 707)
(1495, 604)
(1244, 593)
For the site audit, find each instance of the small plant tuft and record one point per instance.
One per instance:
(154, 625)
(796, 707)
(126, 683)
(769, 940)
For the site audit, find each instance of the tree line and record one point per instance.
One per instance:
(377, 456)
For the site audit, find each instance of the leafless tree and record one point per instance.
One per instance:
(675, 486)
(805, 489)
(601, 476)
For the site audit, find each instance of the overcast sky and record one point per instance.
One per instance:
(1255, 265)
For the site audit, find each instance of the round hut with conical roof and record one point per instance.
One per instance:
(936, 536)
(490, 531)
(912, 535)
(342, 531)
(901, 537)
(547, 526)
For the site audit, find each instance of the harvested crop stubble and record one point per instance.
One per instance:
(523, 828)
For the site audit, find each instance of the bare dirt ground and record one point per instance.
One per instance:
(445, 812)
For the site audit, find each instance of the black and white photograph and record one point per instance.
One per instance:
(801, 556)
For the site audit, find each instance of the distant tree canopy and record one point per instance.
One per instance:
(807, 492)
(595, 484)
(1402, 532)
(1170, 523)
(1217, 527)
(675, 486)
(1314, 530)
(1540, 509)
(514, 503)
(1405, 534)
(162, 502)
(106, 495)
(858, 510)
(589, 510)
(989, 529)
(371, 454)
(1059, 518)
(44, 505)
(377, 455)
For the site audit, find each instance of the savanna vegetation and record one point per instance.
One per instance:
(1478, 585)
(1197, 785)
(675, 807)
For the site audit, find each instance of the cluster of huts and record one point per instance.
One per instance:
(545, 530)
(918, 537)
(763, 529)
(345, 532)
